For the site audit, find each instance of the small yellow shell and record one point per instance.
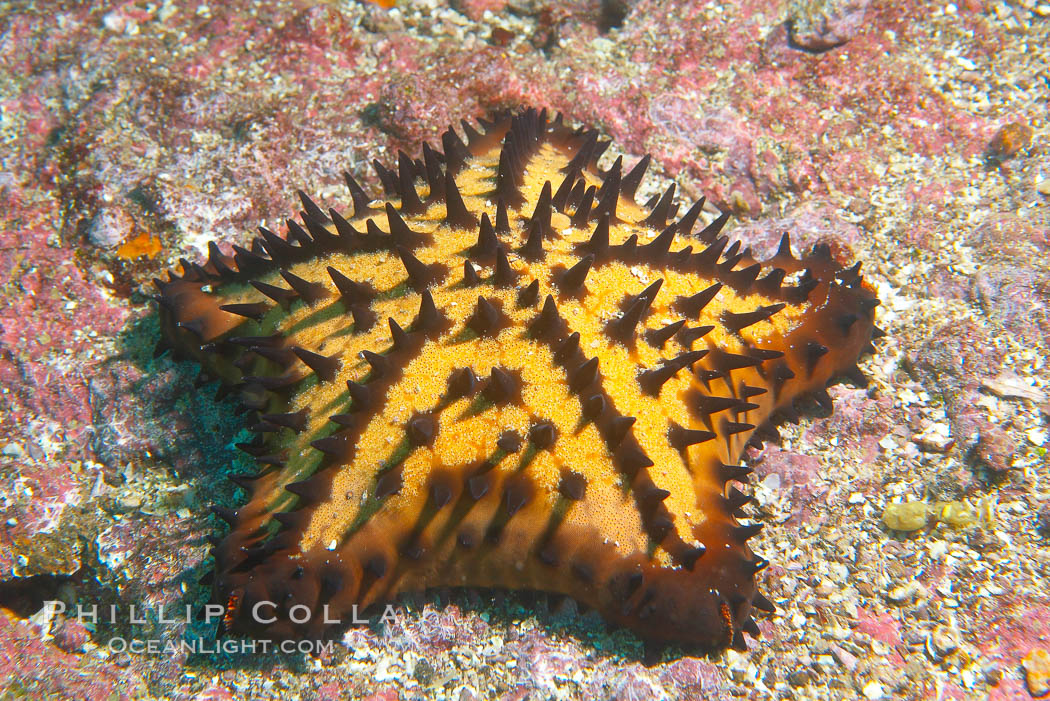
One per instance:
(907, 516)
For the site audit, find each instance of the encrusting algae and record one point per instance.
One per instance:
(509, 374)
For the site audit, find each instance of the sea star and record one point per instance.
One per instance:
(509, 374)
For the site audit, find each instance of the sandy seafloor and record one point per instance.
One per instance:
(134, 132)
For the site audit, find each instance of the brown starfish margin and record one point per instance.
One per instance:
(508, 374)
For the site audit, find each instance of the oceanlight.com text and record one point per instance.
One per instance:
(229, 646)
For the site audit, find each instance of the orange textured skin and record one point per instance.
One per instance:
(509, 374)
